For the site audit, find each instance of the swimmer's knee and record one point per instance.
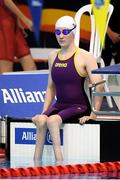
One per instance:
(40, 120)
(54, 120)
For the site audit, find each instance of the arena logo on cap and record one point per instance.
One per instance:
(18, 95)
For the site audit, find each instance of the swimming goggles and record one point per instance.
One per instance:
(64, 31)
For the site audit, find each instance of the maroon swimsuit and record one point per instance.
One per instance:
(72, 101)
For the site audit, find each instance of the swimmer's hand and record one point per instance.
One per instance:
(83, 119)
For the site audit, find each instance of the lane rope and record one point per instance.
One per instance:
(60, 169)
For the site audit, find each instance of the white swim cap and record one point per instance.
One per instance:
(65, 22)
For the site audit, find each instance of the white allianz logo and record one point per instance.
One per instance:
(18, 95)
(28, 136)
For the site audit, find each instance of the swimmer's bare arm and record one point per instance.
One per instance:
(91, 65)
(86, 64)
(50, 91)
(14, 9)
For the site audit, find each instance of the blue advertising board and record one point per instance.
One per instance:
(22, 95)
(28, 136)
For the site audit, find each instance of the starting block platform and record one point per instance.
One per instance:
(96, 141)
(113, 69)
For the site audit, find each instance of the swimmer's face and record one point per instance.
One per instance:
(64, 35)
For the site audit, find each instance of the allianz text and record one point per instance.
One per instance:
(18, 95)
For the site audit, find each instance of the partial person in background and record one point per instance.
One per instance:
(68, 69)
(112, 41)
(12, 41)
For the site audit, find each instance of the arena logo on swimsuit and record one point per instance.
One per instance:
(61, 65)
(18, 95)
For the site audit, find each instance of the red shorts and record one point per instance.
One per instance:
(12, 42)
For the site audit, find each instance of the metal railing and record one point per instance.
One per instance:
(95, 93)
